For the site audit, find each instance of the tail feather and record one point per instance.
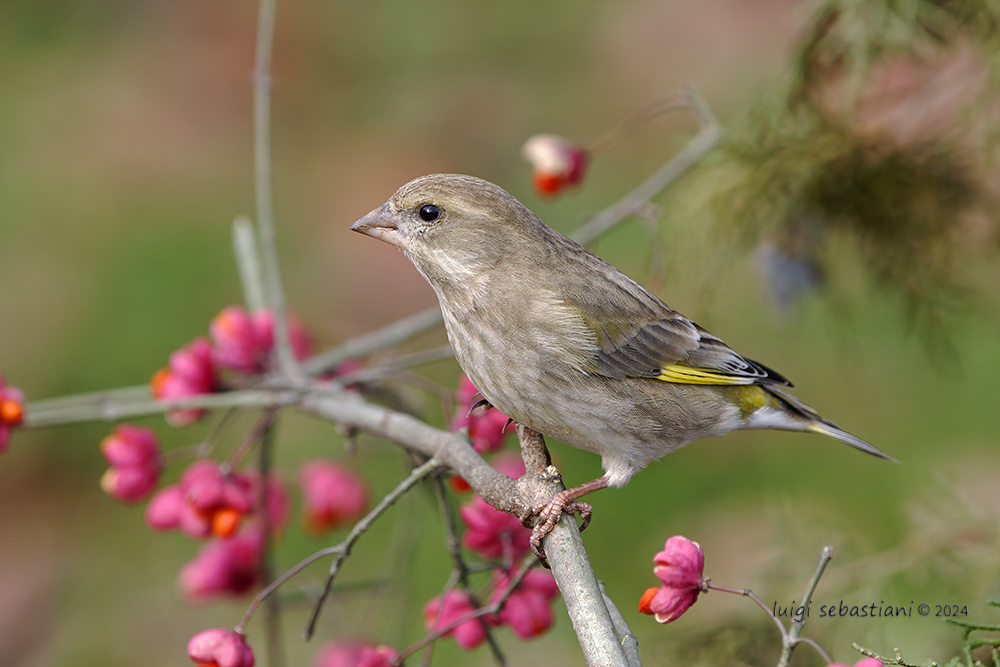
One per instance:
(817, 424)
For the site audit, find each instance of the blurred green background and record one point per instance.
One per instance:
(126, 151)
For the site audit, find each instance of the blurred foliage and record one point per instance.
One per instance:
(883, 132)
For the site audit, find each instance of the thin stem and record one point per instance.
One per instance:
(793, 634)
(394, 365)
(275, 647)
(123, 403)
(973, 626)
(248, 263)
(260, 432)
(344, 548)
(746, 592)
(461, 568)
(208, 444)
(629, 642)
(493, 608)
(819, 649)
(263, 190)
(388, 336)
(697, 148)
(269, 590)
(617, 134)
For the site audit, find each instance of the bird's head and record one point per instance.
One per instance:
(452, 226)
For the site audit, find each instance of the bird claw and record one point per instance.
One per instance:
(548, 517)
(481, 403)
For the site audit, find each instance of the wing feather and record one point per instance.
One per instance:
(639, 336)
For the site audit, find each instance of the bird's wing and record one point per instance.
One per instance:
(637, 335)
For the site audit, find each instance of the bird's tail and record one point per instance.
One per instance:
(816, 424)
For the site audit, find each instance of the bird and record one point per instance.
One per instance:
(569, 346)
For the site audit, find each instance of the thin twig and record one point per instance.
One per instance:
(204, 448)
(896, 660)
(819, 649)
(360, 528)
(343, 549)
(264, 194)
(746, 592)
(973, 626)
(275, 647)
(248, 263)
(395, 364)
(127, 402)
(388, 336)
(792, 638)
(697, 148)
(490, 609)
(617, 134)
(629, 642)
(461, 567)
(259, 433)
(574, 574)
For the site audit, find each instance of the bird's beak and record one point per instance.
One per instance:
(380, 224)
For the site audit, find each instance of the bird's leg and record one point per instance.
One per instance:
(564, 501)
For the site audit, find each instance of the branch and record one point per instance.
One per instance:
(343, 549)
(481, 612)
(461, 567)
(635, 201)
(570, 563)
(115, 404)
(248, 263)
(790, 641)
(263, 190)
(388, 336)
(629, 642)
(450, 449)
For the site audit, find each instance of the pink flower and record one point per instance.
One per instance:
(493, 533)
(130, 445)
(485, 427)
(355, 654)
(224, 567)
(11, 412)
(679, 567)
(134, 455)
(243, 342)
(131, 484)
(864, 662)
(204, 502)
(438, 616)
(556, 163)
(235, 341)
(263, 322)
(279, 505)
(333, 495)
(219, 647)
(191, 373)
(528, 609)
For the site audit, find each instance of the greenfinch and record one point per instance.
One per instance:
(570, 347)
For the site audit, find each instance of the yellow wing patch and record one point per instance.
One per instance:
(688, 375)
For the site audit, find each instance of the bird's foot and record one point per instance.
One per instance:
(549, 514)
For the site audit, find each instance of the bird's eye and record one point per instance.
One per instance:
(429, 212)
